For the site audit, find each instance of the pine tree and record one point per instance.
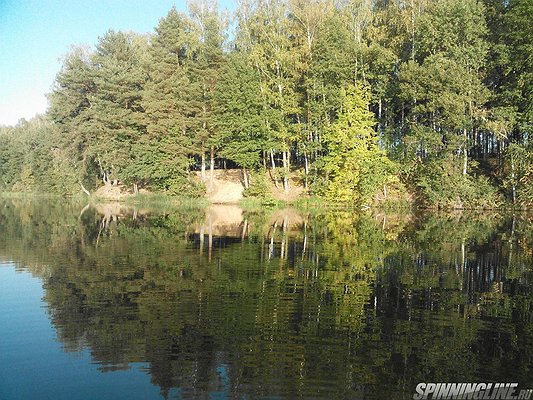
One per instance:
(165, 152)
(202, 70)
(69, 102)
(115, 118)
(242, 135)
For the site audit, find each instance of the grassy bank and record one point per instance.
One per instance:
(304, 203)
(161, 200)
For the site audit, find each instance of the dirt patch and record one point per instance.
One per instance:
(296, 187)
(224, 192)
(226, 187)
(296, 190)
(112, 192)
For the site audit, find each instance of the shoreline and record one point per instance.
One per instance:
(158, 199)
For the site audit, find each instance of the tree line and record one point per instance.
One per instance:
(354, 99)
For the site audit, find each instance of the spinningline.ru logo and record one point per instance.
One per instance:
(478, 391)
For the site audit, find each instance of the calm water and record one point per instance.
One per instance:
(111, 303)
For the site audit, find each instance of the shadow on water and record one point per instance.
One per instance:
(280, 303)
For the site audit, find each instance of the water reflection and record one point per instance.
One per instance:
(283, 303)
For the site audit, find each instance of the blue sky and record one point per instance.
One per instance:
(35, 34)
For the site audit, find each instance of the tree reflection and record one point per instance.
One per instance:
(328, 305)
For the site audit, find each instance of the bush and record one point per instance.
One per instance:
(441, 187)
(260, 186)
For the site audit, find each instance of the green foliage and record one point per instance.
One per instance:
(260, 187)
(355, 163)
(164, 151)
(115, 116)
(519, 182)
(440, 185)
(456, 29)
(447, 86)
(516, 43)
(241, 132)
(162, 202)
(31, 161)
(202, 66)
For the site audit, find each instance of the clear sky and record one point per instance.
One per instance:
(35, 34)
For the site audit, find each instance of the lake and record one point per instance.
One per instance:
(108, 302)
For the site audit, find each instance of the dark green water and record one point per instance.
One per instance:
(139, 304)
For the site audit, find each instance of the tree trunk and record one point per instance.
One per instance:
(274, 168)
(306, 166)
(212, 167)
(135, 188)
(513, 179)
(413, 30)
(203, 167)
(465, 152)
(284, 177)
(84, 190)
(286, 168)
(245, 178)
(380, 126)
(244, 229)
(499, 149)
(105, 179)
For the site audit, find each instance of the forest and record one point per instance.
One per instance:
(356, 100)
